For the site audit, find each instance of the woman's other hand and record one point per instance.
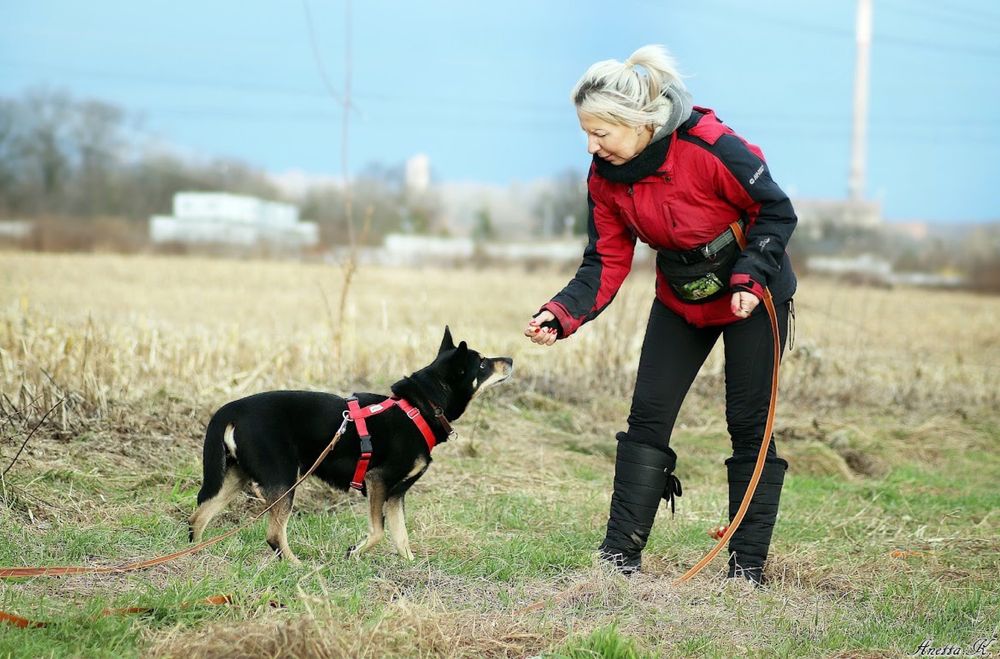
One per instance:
(743, 303)
(543, 336)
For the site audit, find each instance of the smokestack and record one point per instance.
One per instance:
(863, 34)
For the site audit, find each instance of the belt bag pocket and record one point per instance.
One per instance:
(702, 281)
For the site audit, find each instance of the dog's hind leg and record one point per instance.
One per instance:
(376, 521)
(277, 526)
(232, 484)
(396, 520)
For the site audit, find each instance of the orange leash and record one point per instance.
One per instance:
(761, 456)
(24, 623)
(768, 428)
(52, 571)
(61, 570)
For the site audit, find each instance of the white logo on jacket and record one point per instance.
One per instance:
(756, 175)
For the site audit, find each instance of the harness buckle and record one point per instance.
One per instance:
(707, 252)
(413, 413)
(366, 446)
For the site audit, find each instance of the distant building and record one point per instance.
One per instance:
(416, 250)
(867, 265)
(818, 217)
(915, 231)
(418, 174)
(227, 219)
(873, 269)
(16, 229)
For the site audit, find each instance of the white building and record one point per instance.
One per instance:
(227, 219)
(817, 217)
(418, 174)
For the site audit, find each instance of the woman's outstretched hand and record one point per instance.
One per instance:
(543, 336)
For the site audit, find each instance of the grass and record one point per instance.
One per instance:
(887, 415)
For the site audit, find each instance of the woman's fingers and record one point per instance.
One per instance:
(545, 336)
(743, 303)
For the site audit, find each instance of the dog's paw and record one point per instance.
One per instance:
(352, 552)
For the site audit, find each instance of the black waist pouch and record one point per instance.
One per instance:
(695, 281)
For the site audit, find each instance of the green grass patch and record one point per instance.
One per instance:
(496, 531)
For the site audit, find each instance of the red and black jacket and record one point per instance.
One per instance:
(682, 191)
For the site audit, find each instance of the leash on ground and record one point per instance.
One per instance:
(25, 623)
(62, 570)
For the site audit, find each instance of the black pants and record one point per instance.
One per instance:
(673, 352)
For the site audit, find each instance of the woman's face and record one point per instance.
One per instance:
(613, 142)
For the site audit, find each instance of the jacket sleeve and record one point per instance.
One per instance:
(607, 260)
(747, 184)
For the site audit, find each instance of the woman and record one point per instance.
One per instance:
(677, 178)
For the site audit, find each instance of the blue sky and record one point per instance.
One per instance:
(482, 88)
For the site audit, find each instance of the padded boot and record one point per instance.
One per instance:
(749, 545)
(643, 476)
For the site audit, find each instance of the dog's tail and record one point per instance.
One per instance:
(213, 459)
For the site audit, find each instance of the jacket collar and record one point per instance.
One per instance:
(649, 161)
(644, 164)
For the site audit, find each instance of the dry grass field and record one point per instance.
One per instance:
(110, 367)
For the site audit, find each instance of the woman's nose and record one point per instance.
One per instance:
(592, 145)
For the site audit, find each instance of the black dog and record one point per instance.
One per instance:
(269, 438)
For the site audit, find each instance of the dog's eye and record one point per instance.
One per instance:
(482, 364)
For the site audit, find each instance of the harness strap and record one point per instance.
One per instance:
(358, 414)
(420, 422)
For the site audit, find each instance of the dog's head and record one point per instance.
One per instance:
(457, 375)
(467, 370)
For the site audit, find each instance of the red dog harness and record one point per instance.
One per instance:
(358, 414)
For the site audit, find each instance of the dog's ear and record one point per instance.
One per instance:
(461, 356)
(446, 342)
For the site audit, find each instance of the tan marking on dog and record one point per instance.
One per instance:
(229, 439)
(277, 527)
(395, 518)
(232, 484)
(418, 466)
(501, 371)
(376, 521)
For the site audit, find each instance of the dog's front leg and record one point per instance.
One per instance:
(395, 517)
(376, 522)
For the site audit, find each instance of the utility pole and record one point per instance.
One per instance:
(863, 35)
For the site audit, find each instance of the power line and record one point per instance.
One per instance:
(945, 15)
(270, 90)
(877, 38)
(958, 9)
(927, 45)
(237, 85)
(435, 105)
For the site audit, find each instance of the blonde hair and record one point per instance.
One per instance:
(619, 93)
